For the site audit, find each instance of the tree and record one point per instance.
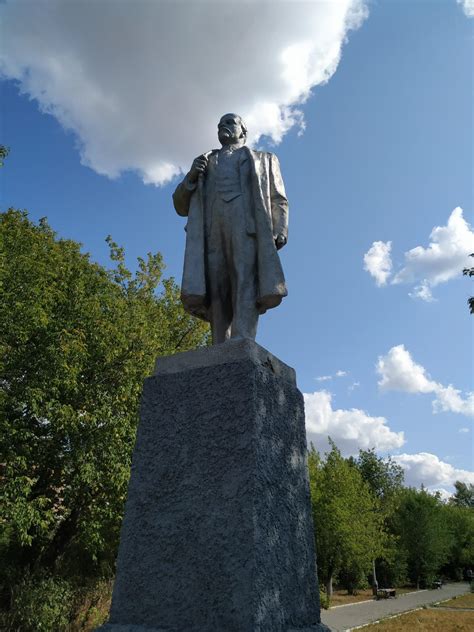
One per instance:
(76, 343)
(347, 520)
(4, 151)
(460, 521)
(385, 480)
(470, 272)
(463, 496)
(423, 534)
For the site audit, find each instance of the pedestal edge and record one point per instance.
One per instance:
(225, 353)
(118, 627)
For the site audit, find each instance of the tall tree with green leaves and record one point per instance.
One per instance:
(349, 532)
(423, 534)
(463, 496)
(460, 521)
(76, 342)
(385, 479)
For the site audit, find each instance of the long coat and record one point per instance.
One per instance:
(267, 216)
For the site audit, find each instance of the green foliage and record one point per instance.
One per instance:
(324, 600)
(349, 530)
(463, 496)
(76, 343)
(460, 522)
(385, 480)
(423, 534)
(4, 151)
(41, 604)
(383, 475)
(470, 272)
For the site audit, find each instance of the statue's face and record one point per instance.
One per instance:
(229, 129)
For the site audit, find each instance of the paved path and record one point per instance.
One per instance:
(353, 615)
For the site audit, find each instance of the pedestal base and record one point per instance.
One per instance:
(113, 627)
(218, 534)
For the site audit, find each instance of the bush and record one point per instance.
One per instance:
(324, 599)
(41, 604)
(91, 605)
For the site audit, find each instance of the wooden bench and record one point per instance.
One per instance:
(386, 593)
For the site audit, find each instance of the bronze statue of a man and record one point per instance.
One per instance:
(237, 212)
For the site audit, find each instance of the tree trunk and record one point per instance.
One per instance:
(329, 586)
(375, 584)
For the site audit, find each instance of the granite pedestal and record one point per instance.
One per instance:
(218, 533)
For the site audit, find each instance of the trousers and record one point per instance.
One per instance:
(231, 270)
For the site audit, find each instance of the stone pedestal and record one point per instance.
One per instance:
(218, 534)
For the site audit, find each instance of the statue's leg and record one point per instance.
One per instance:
(219, 288)
(243, 274)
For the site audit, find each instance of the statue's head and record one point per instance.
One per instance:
(231, 129)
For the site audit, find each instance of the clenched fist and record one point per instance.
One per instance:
(199, 166)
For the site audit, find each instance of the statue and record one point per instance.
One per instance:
(237, 212)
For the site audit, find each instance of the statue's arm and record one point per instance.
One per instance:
(182, 196)
(278, 199)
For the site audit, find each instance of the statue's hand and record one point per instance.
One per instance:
(280, 241)
(199, 166)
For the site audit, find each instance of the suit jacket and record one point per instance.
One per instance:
(266, 217)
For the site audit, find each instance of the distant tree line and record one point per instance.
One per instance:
(370, 528)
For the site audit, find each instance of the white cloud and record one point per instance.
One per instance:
(399, 372)
(463, 430)
(353, 386)
(350, 429)
(442, 260)
(468, 7)
(449, 398)
(422, 291)
(428, 470)
(325, 378)
(142, 84)
(445, 256)
(378, 262)
(441, 492)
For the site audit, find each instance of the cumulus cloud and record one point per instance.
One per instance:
(428, 470)
(445, 256)
(351, 430)
(378, 262)
(468, 7)
(426, 267)
(463, 430)
(399, 372)
(142, 84)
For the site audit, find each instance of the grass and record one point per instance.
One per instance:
(340, 597)
(430, 620)
(463, 601)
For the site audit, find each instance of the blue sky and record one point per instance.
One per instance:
(385, 156)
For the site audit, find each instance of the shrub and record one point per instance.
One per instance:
(324, 599)
(41, 604)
